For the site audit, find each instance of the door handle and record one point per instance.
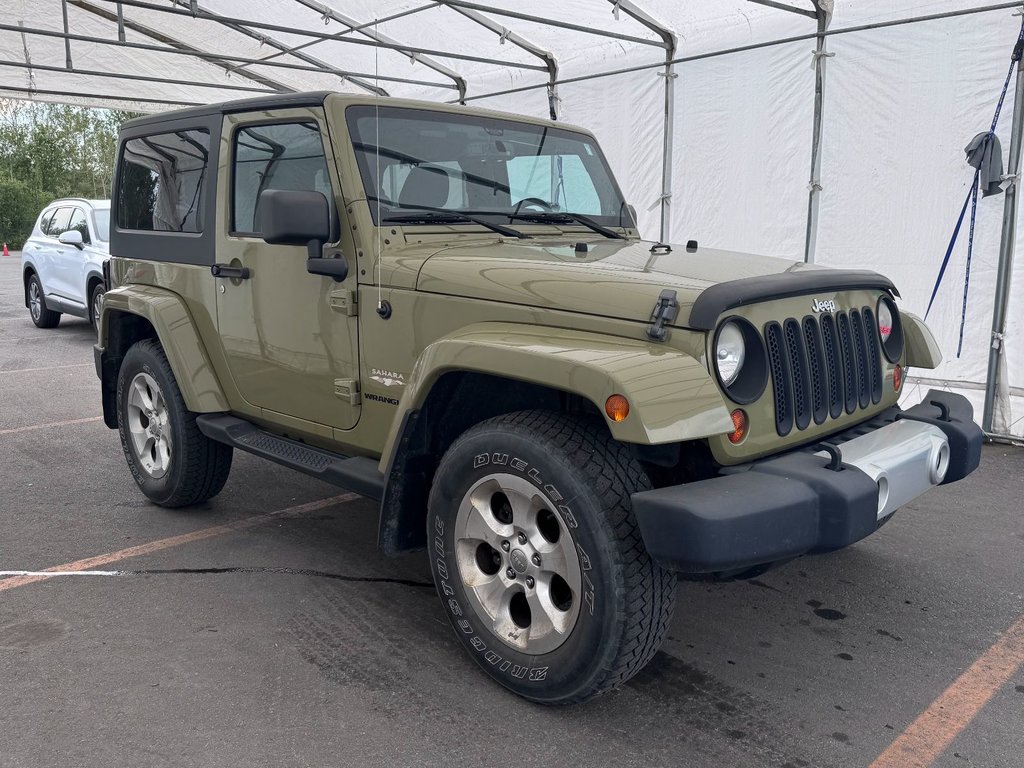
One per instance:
(228, 271)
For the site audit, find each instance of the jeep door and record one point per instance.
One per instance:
(290, 337)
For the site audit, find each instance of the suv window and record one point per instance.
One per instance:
(58, 223)
(162, 182)
(101, 217)
(44, 221)
(78, 222)
(275, 156)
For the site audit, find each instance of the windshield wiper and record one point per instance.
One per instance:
(436, 215)
(564, 217)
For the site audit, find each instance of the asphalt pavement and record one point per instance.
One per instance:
(265, 629)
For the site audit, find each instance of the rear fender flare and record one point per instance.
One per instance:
(167, 313)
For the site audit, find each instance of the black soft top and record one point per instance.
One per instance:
(284, 100)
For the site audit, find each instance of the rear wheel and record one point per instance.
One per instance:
(538, 559)
(41, 316)
(173, 463)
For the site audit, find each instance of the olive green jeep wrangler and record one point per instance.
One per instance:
(451, 311)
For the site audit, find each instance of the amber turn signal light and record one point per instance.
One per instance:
(897, 378)
(740, 424)
(617, 407)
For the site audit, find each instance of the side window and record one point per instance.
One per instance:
(78, 222)
(162, 182)
(58, 223)
(275, 156)
(44, 220)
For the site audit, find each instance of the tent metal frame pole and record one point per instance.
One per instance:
(140, 78)
(176, 45)
(504, 33)
(408, 50)
(1004, 272)
(67, 42)
(668, 38)
(349, 31)
(323, 65)
(814, 185)
(371, 32)
(105, 96)
(558, 24)
(212, 58)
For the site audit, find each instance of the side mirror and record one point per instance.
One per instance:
(72, 237)
(291, 217)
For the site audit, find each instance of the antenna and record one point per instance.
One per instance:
(380, 184)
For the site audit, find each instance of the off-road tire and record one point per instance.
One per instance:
(41, 316)
(627, 599)
(198, 466)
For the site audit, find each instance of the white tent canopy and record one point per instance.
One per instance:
(706, 108)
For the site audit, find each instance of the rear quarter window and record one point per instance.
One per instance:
(162, 182)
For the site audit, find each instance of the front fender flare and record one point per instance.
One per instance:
(672, 397)
(168, 314)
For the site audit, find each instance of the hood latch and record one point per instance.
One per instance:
(665, 312)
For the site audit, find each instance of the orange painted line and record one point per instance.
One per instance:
(91, 563)
(934, 730)
(51, 368)
(50, 425)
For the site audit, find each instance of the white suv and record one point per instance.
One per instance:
(62, 261)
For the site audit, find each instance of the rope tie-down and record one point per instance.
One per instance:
(985, 155)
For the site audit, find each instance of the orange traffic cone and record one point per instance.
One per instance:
(6, 252)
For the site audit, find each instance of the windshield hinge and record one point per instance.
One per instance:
(664, 313)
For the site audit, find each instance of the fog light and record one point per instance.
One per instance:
(617, 407)
(740, 424)
(897, 378)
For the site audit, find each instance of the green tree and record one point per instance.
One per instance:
(49, 151)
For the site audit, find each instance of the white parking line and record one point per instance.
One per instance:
(51, 368)
(60, 573)
(51, 424)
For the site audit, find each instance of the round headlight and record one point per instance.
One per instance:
(890, 329)
(884, 321)
(729, 353)
(741, 362)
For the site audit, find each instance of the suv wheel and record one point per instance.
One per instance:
(538, 559)
(173, 463)
(41, 316)
(95, 296)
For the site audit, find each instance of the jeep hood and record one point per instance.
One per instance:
(613, 278)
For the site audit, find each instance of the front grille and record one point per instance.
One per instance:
(821, 367)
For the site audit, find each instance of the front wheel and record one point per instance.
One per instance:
(173, 463)
(41, 316)
(538, 559)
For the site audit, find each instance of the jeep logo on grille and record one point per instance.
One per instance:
(823, 305)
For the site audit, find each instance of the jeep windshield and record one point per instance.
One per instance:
(486, 168)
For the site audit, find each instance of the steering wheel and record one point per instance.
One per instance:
(546, 206)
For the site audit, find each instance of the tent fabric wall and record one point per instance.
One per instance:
(900, 104)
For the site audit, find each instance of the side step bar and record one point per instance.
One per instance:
(358, 474)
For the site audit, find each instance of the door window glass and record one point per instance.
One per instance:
(59, 222)
(78, 222)
(162, 182)
(276, 156)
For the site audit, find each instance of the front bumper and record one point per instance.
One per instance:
(809, 501)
